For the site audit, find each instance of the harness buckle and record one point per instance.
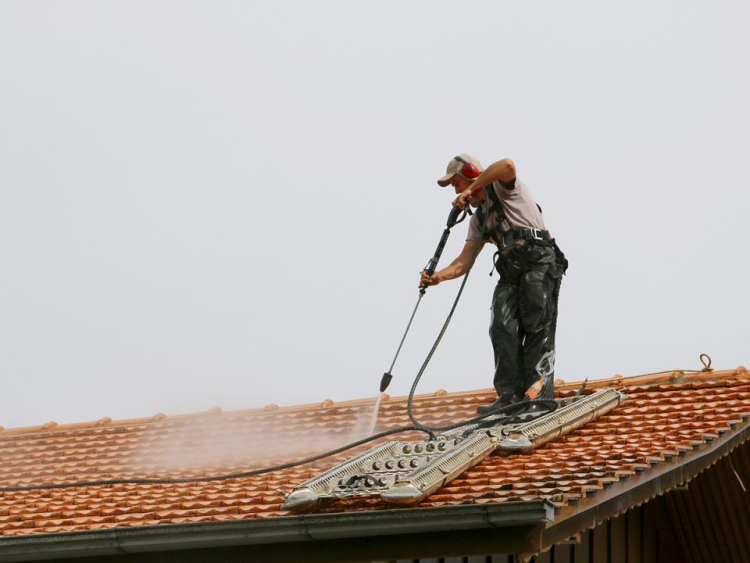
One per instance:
(536, 234)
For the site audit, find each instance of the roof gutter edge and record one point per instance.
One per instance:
(285, 529)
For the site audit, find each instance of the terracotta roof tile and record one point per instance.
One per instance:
(665, 416)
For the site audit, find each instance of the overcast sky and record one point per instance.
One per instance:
(228, 203)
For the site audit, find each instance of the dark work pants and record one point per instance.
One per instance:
(524, 319)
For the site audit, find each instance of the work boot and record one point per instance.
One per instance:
(535, 408)
(502, 401)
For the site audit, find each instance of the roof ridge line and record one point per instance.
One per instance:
(667, 376)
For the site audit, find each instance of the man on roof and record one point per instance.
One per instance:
(531, 266)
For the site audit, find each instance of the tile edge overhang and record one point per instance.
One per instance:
(642, 487)
(286, 529)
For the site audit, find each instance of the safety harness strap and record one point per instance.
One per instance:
(496, 206)
(532, 234)
(492, 234)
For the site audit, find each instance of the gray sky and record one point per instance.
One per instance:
(228, 203)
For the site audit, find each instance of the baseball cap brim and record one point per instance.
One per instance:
(453, 168)
(446, 180)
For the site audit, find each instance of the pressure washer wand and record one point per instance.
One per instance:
(432, 264)
(453, 219)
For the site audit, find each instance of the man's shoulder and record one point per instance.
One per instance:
(508, 187)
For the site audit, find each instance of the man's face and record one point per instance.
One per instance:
(459, 183)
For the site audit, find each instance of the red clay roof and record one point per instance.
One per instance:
(665, 414)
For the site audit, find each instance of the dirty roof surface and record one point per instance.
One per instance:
(664, 415)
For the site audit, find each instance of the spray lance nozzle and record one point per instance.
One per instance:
(385, 381)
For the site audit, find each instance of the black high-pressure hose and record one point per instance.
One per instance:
(253, 472)
(513, 409)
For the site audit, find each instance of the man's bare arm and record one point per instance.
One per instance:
(457, 268)
(503, 170)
